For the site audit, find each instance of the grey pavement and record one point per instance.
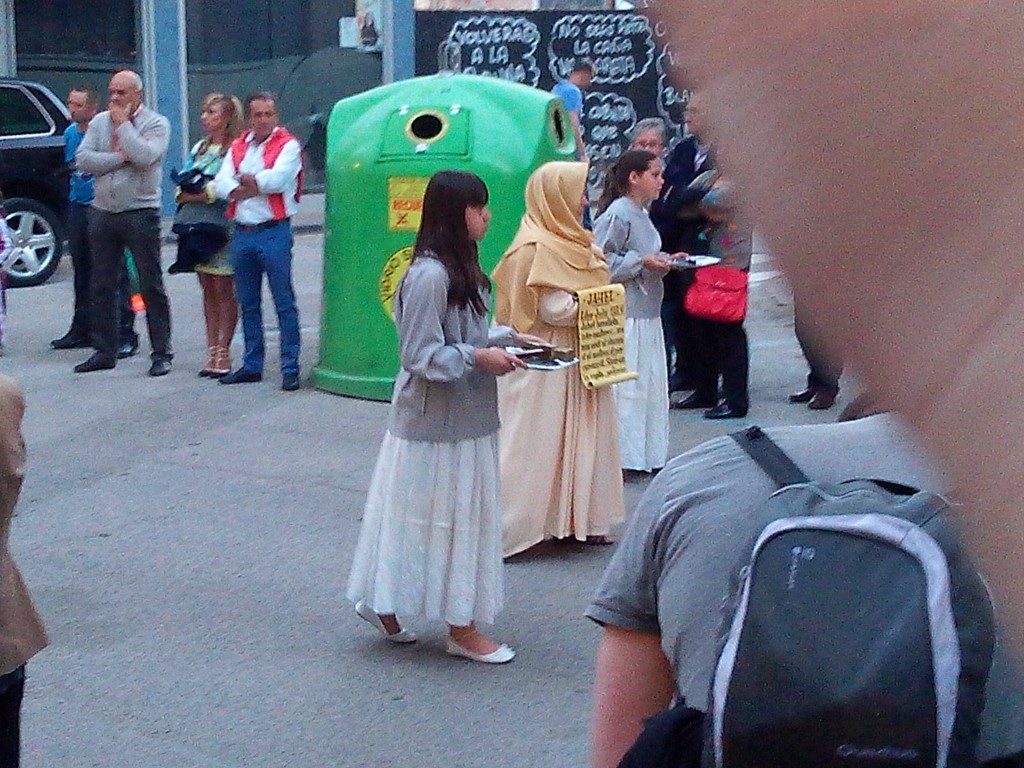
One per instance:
(188, 545)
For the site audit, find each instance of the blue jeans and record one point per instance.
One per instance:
(253, 254)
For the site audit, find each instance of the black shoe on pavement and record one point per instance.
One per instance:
(290, 382)
(161, 367)
(241, 376)
(95, 363)
(693, 401)
(127, 349)
(71, 340)
(725, 411)
(821, 401)
(803, 396)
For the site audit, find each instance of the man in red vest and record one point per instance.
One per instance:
(261, 177)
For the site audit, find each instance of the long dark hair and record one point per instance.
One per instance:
(443, 235)
(616, 180)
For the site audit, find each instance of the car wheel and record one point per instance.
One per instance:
(38, 242)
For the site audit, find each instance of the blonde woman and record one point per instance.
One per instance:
(222, 123)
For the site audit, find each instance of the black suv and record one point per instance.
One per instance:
(33, 177)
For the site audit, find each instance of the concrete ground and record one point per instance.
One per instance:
(188, 545)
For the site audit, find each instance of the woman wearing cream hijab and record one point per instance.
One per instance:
(559, 448)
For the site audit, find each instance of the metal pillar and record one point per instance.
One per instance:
(8, 47)
(165, 78)
(399, 61)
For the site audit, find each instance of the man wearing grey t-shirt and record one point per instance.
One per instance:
(660, 598)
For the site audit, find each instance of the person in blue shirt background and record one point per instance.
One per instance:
(83, 103)
(570, 91)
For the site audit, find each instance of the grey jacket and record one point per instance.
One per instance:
(120, 185)
(439, 395)
(732, 241)
(625, 233)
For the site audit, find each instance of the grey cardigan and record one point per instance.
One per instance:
(625, 233)
(120, 185)
(440, 396)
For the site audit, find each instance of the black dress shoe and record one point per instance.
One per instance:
(803, 396)
(694, 401)
(242, 376)
(821, 401)
(725, 411)
(71, 340)
(161, 367)
(127, 349)
(290, 382)
(95, 363)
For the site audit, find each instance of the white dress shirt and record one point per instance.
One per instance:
(700, 155)
(281, 178)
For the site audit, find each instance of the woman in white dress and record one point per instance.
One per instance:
(632, 247)
(430, 540)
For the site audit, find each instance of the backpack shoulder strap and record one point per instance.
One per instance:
(772, 459)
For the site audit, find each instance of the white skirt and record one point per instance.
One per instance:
(430, 540)
(642, 404)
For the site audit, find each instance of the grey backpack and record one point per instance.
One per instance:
(858, 633)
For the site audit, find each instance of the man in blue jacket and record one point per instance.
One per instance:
(83, 103)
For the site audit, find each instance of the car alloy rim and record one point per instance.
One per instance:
(34, 243)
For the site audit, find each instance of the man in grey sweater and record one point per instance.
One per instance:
(124, 149)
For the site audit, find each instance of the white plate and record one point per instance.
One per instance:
(692, 262)
(550, 365)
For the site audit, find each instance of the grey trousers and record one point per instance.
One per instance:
(109, 235)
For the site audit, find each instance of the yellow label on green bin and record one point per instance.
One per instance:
(392, 273)
(405, 202)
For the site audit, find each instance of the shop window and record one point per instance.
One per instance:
(98, 30)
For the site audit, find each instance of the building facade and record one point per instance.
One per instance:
(185, 49)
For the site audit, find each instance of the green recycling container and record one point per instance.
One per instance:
(382, 148)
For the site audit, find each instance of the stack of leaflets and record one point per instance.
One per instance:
(545, 358)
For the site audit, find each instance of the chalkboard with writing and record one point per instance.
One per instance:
(635, 64)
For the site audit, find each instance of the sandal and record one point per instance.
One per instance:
(209, 370)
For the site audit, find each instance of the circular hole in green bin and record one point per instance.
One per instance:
(427, 126)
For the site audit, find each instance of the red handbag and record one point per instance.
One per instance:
(718, 293)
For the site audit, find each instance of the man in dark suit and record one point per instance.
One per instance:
(676, 214)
